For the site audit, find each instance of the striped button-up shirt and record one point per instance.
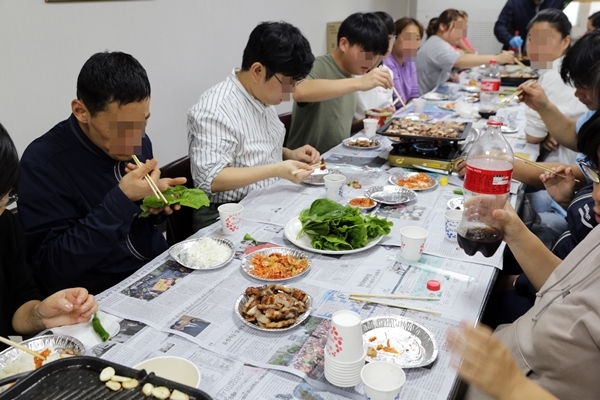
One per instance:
(228, 127)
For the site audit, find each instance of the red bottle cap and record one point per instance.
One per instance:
(433, 285)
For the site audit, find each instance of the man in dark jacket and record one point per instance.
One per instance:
(79, 196)
(515, 17)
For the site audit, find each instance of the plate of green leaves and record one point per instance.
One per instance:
(194, 198)
(331, 228)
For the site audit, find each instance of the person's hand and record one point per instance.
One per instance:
(533, 95)
(392, 108)
(374, 78)
(286, 169)
(460, 167)
(506, 57)
(486, 362)
(516, 42)
(306, 153)
(135, 186)
(549, 143)
(67, 307)
(511, 224)
(560, 189)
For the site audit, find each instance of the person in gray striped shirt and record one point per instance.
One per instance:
(235, 136)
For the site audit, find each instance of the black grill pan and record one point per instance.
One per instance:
(78, 378)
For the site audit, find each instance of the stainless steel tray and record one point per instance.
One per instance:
(247, 262)
(390, 194)
(415, 344)
(179, 253)
(396, 177)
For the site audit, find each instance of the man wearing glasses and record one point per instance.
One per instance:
(235, 136)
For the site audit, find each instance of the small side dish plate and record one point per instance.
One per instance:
(421, 180)
(297, 254)
(361, 201)
(456, 203)
(434, 96)
(390, 194)
(362, 143)
(179, 252)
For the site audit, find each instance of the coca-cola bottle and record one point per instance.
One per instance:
(487, 186)
(490, 86)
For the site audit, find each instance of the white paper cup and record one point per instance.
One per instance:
(413, 242)
(370, 125)
(344, 339)
(334, 186)
(453, 218)
(173, 368)
(382, 380)
(419, 105)
(231, 217)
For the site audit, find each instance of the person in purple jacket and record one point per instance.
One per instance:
(409, 32)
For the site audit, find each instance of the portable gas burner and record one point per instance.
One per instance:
(439, 155)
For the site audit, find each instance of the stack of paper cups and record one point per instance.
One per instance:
(345, 353)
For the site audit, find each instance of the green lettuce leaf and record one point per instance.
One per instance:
(194, 198)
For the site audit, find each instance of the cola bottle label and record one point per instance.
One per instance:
(487, 181)
(491, 85)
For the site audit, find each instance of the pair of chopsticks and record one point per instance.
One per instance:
(398, 97)
(540, 166)
(368, 298)
(21, 347)
(153, 186)
(320, 164)
(509, 98)
(519, 62)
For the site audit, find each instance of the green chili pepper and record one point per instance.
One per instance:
(99, 329)
(457, 191)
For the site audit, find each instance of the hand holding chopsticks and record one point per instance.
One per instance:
(512, 96)
(321, 165)
(152, 184)
(21, 347)
(543, 167)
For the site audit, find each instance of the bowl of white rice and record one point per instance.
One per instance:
(203, 253)
(14, 361)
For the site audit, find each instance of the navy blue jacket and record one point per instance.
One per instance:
(515, 16)
(81, 229)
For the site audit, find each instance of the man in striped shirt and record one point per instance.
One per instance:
(235, 136)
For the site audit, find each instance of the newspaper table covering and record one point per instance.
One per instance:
(177, 311)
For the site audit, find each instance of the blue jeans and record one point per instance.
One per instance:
(552, 215)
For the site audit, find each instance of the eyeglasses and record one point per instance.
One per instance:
(589, 170)
(11, 199)
(292, 83)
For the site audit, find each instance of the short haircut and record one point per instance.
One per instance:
(367, 31)
(281, 48)
(595, 18)
(402, 23)
(388, 21)
(111, 77)
(554, 17)
(580, 59)
(9, 163)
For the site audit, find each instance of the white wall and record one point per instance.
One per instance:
(185, 45)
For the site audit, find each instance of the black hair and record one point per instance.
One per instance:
(111, 77)
(407, 21)
(446, 18)
(281, 48)
(595, 18)
(388, 21)
(367, 31)
(580, 59)
(588, 139)
(9, 163)
(554, 17)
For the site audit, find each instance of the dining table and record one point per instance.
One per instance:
(167, 309)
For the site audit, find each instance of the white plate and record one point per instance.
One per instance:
(363, 208)
(179, 253)
(239, 305)
(390, 194)
(434, 96)
(316, 178)
(394, 180)
(85, 333)
(374, 143)
(294, 226)
(449, 106)
(472, 89)
(509, 129)
(456, 203)
(417, 117)
(247, 262)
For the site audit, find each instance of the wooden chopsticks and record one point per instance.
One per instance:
(398, 98)
(540, 166)
(385, 303)
(520, 63)
(320, 164)
(153, 186)
(393, 296)
(21, 347)
(509, 98)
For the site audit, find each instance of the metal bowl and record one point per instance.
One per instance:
(58, 342)
(179, 252)
(363, 208)
(247, 262)
(239, 305)
(396, 177)
(415, 343)
(390, 194)
(362, 143)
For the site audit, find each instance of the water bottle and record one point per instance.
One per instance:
(486, 188)
(490, 86)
